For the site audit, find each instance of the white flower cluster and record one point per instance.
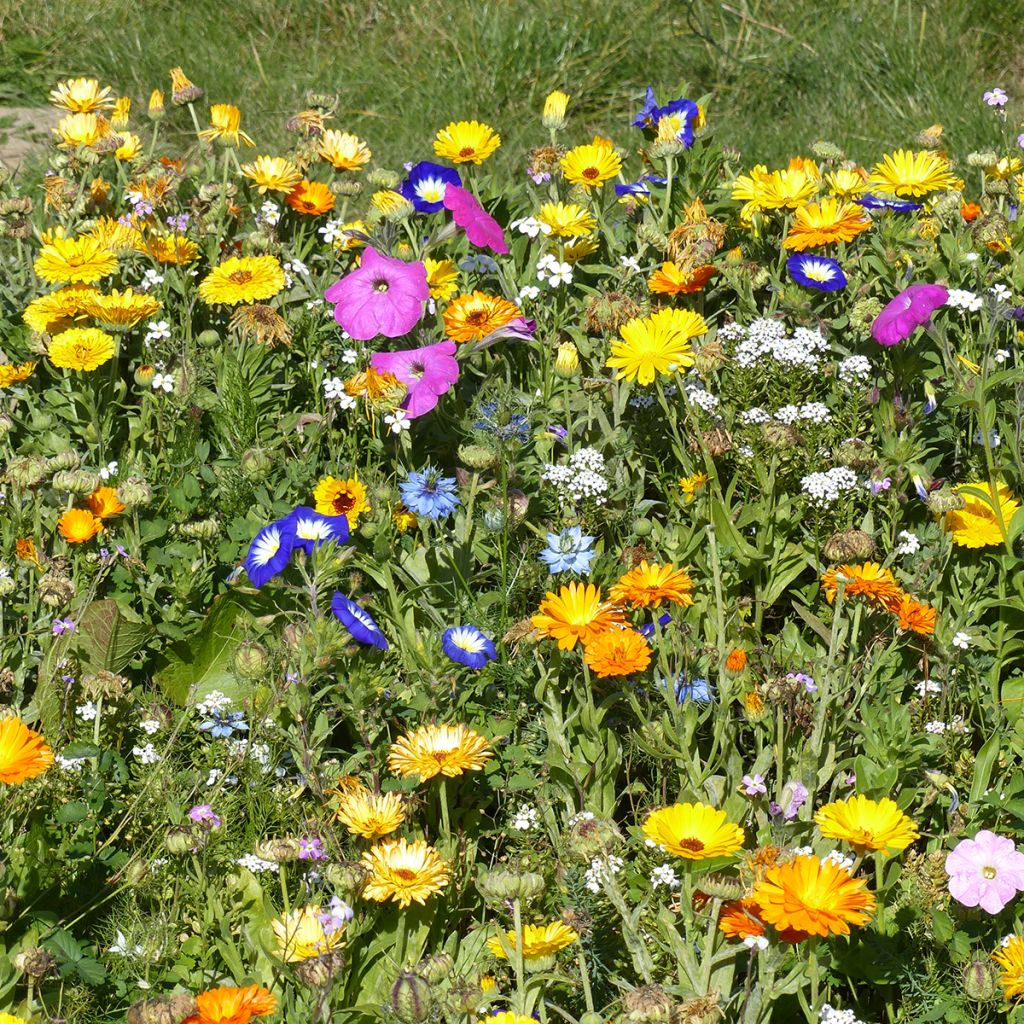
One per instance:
(664, 875)
(697, 394)
(525, 819)
(151, 277)
(331, 231)
(213, 701)
(935, 728)
(732, 331)
(909, 543)
(258, 752)
(530, 226)
(928, 686)
(70, 764)
(824, 489)
(830, 1016)
(964, 300)
(146, 754)
(601, 868)
(755, 416)
(962, 640)
(553, 270)
(292, 269)
(854, 369)
(255, 864)
(582, 478)
(580, 816)
(334, 391)
(270, 214)
(812, 412)
(803, 348)
(87, 711)
(149, 726)
(840, 859)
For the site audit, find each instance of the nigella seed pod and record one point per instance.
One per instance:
(35, 962)
(251, 661)
(411, 998)
(849, 546)
(435, 968)
(980, 981)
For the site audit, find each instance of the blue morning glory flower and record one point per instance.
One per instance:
(269, 552)
(686, 110)
(358, 622)
(569, 551)
(515, 428)
(429, 494)
(818, 272)
(698, 690)
(221, 724)
(648, 629)
(640, 186)
(870, 202)
(468, 646)
(426, 184)
(313, 528)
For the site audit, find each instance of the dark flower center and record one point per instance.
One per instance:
(591, 172)
(381, 284)
(467, 151)
(417, 369)
(477, 317)
(342, 503)
(241, 276)
(405, 874)
(691, 844)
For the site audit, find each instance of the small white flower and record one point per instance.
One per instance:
(109, 470)
(665, 875)
(559, 274)
(909, 544)
(838, 858)
(397, 421)
(146, 754)
(151, 277)
(962, 640)
(270, 213)
(935, 728)
(1000, 292)
(350, 356)
(256, 864)
(1001, 355)
(968, 302)
(150, 726)
(530, 226)
(758, 942)
(525, 819)
(631, 263)
(120, 946)
(87, 711)
(157, 330)
(334, 388)
(215, 700)
(163, 382)
(927, 686)
(529, 291)
(70, 764)
(971, 257)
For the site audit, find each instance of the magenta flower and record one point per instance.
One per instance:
(427, 372)
(383, 296)
(480, 227)
(912, 308)
(986, 871)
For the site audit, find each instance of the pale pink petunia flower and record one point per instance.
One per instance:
(986, 871)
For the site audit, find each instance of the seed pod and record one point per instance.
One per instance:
(410, 998)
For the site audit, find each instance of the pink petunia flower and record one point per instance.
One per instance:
(427, 372)
(480, 227)
(986, 871)
(912, 308)
(382, 296)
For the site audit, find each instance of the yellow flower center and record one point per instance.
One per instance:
(241, 276)
(380, 285)
(988, 872)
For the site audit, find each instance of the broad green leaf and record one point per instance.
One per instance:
(107, 638)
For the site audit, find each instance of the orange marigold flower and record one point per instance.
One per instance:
(970, 212)
(25, 549)
(23, 752)
(868, 580)
(473, 317)
(673, 279)
(808, 896)
(740, 919)
(824, 222)
(577, 613)
(228, 1005)
(618, 652)
(311, 198)
(737, 660)
(913, 615)
(78, 525)
(647, 586)
(104, 503)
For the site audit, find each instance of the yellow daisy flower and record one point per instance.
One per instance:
(81, 348)
(906, 173)
(341, 498)
(867, 825)
(1010, 958)
(120, 310)
(432, 750)
(81, 96)
(540, 943)
(55, 312)
(175, 249)
(300, 935)
(242, 279)
(117, 237)
(75, 260)
(272, 174)
(577, 614)
(693, 831)
(976, 525)
(81, 130)
(15, 373)
(570, 220)
(370, 815)
(646, 586)
(847, 183)
(225, 121)
(344, 152)
(404, 872)
(442, 278)
(465, 142)
(656, 344)
(590, 166)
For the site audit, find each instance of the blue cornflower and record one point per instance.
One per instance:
(818, 272)
(698, 690)
(685, 110)
(426, 184)
(221, 724)
(429, 494)
(516, 427)
(468, 646)
(569, 551)
(870, 202)
(358, 622)
(313, 528)
(269, 552)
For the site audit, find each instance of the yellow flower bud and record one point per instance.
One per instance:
(567, 361)
(554, 110)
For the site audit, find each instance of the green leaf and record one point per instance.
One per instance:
(107, 638)
(91, 971)
(72, 812)
(983, 765)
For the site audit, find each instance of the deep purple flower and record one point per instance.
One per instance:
(480, 227)
(203, 813)
(428, 372)
(912, 308)
(311, 848)
(383, 296)
(986, 871)
(426, 185)
(648, 629)
(640, 186)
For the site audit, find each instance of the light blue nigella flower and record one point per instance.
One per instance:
(698, 690)
(429, 494)
(569, 551)
(222, 725)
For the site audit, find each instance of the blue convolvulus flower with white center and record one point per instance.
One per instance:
(269, 552)
(818, 272)
(313, 528)
(428, 494)
(569, 551)
(358, 621)
(467, 646)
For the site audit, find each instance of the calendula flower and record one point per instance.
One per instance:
(736, 660)
(906, 173)
(442, 278)
(344, 152)
(404, 872)
(311, 198)
(171, 249)
(785, 189)
(119, 310)
(300, 935)
(577, 614)
(67, 260)
(648, 585)
(976, 525)
(242, 279)
(183, 90)
(228, 1005)
(867, 825)
(375, 386)
(555, 105)
(391, 204)
(827, 221)
(15, 373)
(673, 279)
(225, 120)
(617, 652)
(129, 146)
(540, 943)
(80, 348)
(465, 142)
(81, 130)
(808, 896)
(656, 344)
(121, 112)
(272, 174)
(23, 752)
(913, 615)
(690, 485)
(590, 166)
(262, 323)
(474, 317)
(740, 919)
(693, 831)
(341, 498)
(155, 107)
(1010, 958)
(868, 580)
(78, 525)
(432, 750)
(370, 815)
(81, 95)
(53, 313)
(104, 503)
(568, 220)
(120, 238)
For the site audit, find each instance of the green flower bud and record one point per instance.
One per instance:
(347, 187)
(280, 851)
(181, 839)
(251, 662)
(943, 501)
(63, 461)
(318, 971)
(435, 968)
(980, 981)
(7, 586)
(26, 472)
(165, 1010)
(501, 885)
(382, 178)
(589, 837)
(347, 879)
(643, 527)
(647, 1004)
(849, 546)
(134, 493)
(826, 150)
(256, 464)
(477, 456)
(55, 590)
(208, 339)
(201, 529)
(721, 887)
(6, 424)
(77, 481)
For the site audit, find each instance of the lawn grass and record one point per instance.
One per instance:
(780, 75)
